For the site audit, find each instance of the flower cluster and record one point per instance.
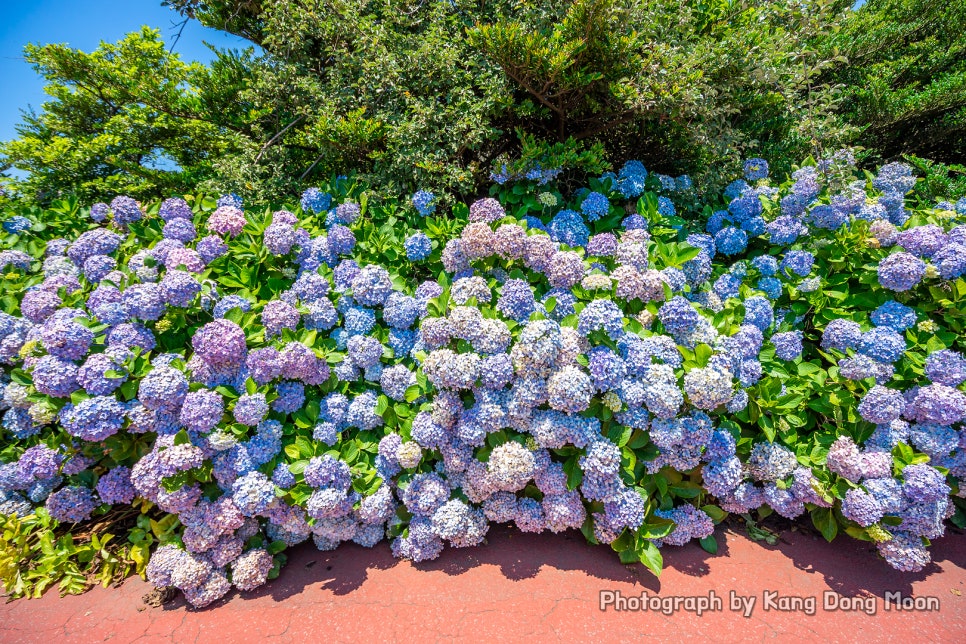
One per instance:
(561, 372)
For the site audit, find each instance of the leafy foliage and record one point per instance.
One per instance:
(128, 118)
(904, 86)
(431, 96)
(706, 366)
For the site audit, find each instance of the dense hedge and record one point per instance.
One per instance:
(221, 383)
(427, 96)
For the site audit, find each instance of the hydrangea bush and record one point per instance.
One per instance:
(339, 371)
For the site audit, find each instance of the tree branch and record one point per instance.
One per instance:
(277, 136)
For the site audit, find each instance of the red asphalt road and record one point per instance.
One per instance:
(529, 587)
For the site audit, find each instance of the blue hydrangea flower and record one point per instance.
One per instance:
(17, 225)
(314, 200)
(788, 345)
(418, 247)
(755, 169)
(901, 271)
(424, 202)
(798, 262)
(567, 227)
(731, 241)
(595, 206)
(894, 316)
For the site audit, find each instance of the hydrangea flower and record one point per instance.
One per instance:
(71, 504)
(227, 220)
(486, 210)
(901, 271)
(788, 344)
(595, 206)
(567, 227)
(755, 169)
(418, 247)
(315, 200)
(424, 203)
(126, 210)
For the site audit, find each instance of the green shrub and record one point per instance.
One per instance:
(435, 97)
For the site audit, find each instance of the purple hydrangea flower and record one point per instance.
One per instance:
(72, 504)
(174, 208)
(901, 271)
(126, 211)
(278, 315)
(227, 220)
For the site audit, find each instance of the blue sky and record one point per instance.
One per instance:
(82, 24)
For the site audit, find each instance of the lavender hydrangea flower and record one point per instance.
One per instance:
(179, 229)
(882, 405)
(55, 377)
(174, 208)
(179, 288)
(72, 504)
(221, 344)
(93, 419)
(202, 411)
(841, 334)
(570, 390)
(788, 345)
(516, 300)
(100, 211)
(115, 486)
(487, 210)
(946, 367)
(372, 286)
(278, 315)
(901, 271)
(126, 211)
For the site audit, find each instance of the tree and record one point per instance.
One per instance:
(688, 86)
(129, 118)
(430, 93)
(905, 81)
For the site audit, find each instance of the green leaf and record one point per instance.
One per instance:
(710, 544)
(276, 547)
(824, 520)
(656, 528)
(717, 514)
(628, 556)
(575, 475)
(382, 404)
(651, 557)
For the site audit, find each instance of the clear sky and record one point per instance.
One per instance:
(82, 24)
